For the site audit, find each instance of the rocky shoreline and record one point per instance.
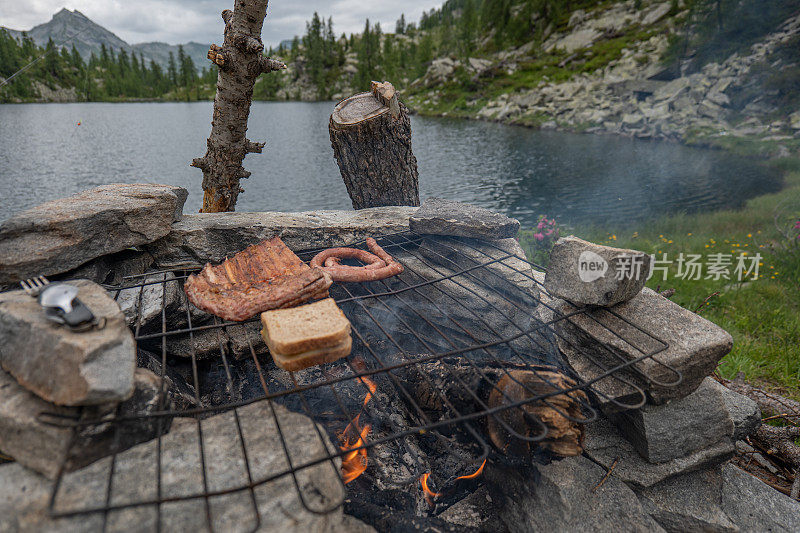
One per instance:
(630, 95)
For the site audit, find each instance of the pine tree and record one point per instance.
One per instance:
(400, 28)
(172, 70)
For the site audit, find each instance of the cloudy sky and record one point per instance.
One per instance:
(179, 21)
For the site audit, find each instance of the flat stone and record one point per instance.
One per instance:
(605, 444)
(280, 508)
(743, 412)
(680, 427)
(62, 367)
(721, 499)
(559, 497)
(61, 235)
(437, 216)
(590, 274)
(694, 345)
(211, 237)
(45, 447)
(690, 502)
(755, 506)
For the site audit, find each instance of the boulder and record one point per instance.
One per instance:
(437, 216)
(590, 274)
(576, 40)
(683, 426)
(211, 237)
(45, 447)
(794, 120)
(656, 13)
(560, 497)
(650, 324)
(61, 235)
(279, 506)
(63, 367)
(605, 444)
(142, 304)
(672, 90)
(743, 412)
(720, 499)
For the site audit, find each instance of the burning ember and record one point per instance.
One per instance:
(353, 436)
(430, 495)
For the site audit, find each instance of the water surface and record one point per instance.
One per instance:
(45, 154)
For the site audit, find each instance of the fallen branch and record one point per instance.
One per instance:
(608, 474)
(772, 405)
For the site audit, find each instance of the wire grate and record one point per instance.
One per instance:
(470, 310)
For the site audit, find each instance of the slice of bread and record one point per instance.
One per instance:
(293, 363)
(314, 326)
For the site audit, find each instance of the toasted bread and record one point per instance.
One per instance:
(293, 363)
(314, 326)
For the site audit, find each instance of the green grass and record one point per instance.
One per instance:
(763, 316)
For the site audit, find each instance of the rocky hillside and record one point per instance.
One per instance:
(632, 93)
(651, 69)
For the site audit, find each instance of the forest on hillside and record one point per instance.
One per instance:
(110, 76)
(327, 62)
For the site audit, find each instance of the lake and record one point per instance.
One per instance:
(45, 155)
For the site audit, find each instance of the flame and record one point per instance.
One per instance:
(430, 495)
(355, 462)
(475, 474)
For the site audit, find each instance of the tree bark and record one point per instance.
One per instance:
(371, 139)
(240, 60)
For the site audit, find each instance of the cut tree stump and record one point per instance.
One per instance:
(371, 139)
(241, 61)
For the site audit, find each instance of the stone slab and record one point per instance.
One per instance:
(559, 497)
(694, 345)
(585, 273)
(605, 444)
(45, 447)
(211, 237)
(437, 216)
(62, 367)
(61, 235)
(720, 499)
(680, 427)
(279, 506)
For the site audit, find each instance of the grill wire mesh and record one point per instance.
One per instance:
(461, 304)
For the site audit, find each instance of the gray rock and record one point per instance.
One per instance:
(755, 506)
(680, 427)
(45, 447)
(606, 445)
(743, 411)
(142, 305)
(720, 499)
(559, 497)
(24, 497)
(694, 345)
(181, 475)
(687, 503)
(590, 274)
(672, 90)
(211, 237)
(61, 235)
(437, 216)
(62, 367)
(656, 13)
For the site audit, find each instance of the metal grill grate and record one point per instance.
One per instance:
(462, 305)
